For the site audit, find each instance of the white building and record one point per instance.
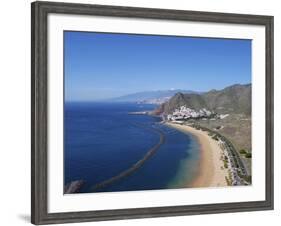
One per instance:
(184, 112)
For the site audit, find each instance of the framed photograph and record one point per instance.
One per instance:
(140, 112)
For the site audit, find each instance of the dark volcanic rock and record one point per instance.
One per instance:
(73, 186)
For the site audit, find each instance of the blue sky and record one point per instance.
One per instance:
(101, 66)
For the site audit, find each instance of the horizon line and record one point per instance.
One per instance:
(111, 98)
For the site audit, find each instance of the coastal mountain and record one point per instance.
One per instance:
(154, 97)
(232, 99)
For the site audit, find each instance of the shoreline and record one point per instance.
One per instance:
(211, 171)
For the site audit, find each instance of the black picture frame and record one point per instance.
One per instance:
(39, 192)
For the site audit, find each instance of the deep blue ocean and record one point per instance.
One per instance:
(102, 139)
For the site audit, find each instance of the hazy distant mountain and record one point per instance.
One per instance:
(232, 99)
(157, 97)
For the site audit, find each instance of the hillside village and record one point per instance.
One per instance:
(184, 113)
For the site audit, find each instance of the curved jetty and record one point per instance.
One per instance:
(138, 113)
(137, 165)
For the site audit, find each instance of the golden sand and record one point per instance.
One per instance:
(211, 170)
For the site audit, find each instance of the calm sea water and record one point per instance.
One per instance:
(102, 139)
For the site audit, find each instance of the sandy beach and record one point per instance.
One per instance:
(211, 170)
